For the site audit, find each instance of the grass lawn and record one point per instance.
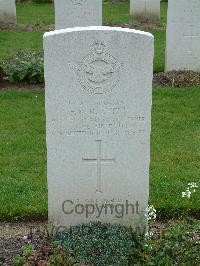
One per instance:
(10, 42)
(175, 148)
(175, 152)
(22, 155)
(35, 13)
(159, 50)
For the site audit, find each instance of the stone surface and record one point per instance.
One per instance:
(145, 9)
(77, 13)
(183, 35)
(7, 11)
(98, 115)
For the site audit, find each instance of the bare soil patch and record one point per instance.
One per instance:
(6, 85)
(13, 236)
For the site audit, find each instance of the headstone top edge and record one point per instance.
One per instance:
(97, 28)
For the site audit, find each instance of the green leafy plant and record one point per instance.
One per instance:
(179, 244)
(59, 256)
(98, 244)
(24, 66)
(26, 251)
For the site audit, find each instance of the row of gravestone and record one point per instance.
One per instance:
(183, 27)
(70, 13)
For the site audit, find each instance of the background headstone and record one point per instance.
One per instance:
(145, 10)
(98, 113)
(7, 12)
(183, 35)
(77, 13)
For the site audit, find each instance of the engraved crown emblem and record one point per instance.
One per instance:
(98, 47)
(99, 72)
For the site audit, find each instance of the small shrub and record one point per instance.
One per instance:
(98, 244)
(24, 66)
(26, 252)
(179, 245)
(58, 256)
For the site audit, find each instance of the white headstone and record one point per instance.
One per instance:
(77, 13)
(7, 11)
(145, 9)
(183, 35)
(98, 120)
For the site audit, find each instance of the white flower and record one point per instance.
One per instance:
(187, 193)
(150, 213)
(151, 233)
(190, 189)
(148, 235)
(192, 185)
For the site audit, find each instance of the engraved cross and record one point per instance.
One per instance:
(99, 160)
